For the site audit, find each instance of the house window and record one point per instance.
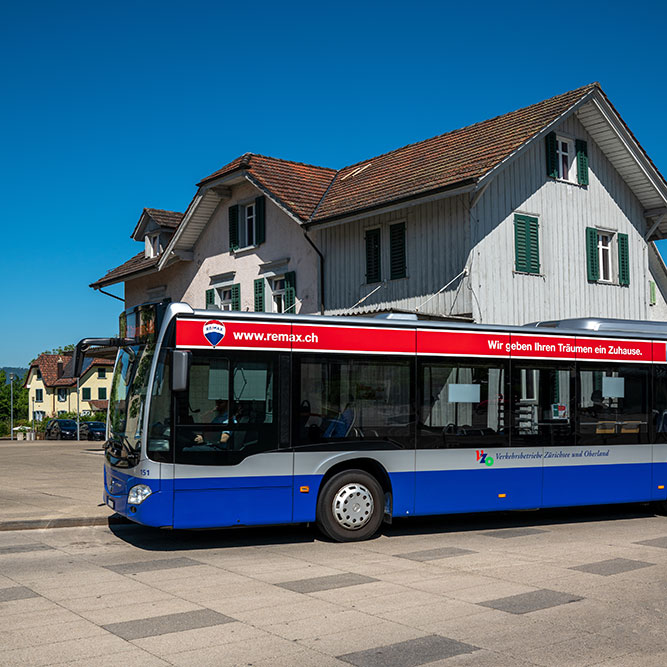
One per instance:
(565, 153)
(62, 394)
(278, 295)
(604, 256)
(39, 374)
(225, 294)
(526, 244)
(102, 393)
(373, 262)
(152, 242)
(607, 256)
(39, 415)
(102, 373)
(567, 159)
(85, 394)
(39, 395)
(247, 224)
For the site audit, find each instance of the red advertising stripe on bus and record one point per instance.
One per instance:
(603, 349)
(659, 352)
(543, 347)
(353, 339)
(463, 343)
(219, 333)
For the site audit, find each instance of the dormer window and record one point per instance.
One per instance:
(152, 242)
(246, 224)
(565, 152)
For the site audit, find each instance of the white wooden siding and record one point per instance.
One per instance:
(564, 211)
(437, 239)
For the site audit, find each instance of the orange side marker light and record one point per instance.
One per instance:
(502, 495)
(304, 489)
(661, 486)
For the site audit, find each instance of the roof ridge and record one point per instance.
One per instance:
(587, 87)
(280, 159)
(162, 210)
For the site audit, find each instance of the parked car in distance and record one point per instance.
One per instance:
(60, 429)
(92, 431)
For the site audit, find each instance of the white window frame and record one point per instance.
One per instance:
(152, 242)
(247, 221)
(606, 256)
(570, 173)
(39, 395)
(277, 285)
(224, 297)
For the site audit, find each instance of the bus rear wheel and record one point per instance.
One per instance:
(350, 506)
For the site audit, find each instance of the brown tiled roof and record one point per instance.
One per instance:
(169, 219)
(441, 162)
(99, 405)
(135, 265)
(296, 185)
(462, 156)
(48, 366)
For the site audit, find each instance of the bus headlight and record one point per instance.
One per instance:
(138, 494)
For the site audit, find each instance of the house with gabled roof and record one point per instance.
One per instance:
(547, 212)
(53, 391)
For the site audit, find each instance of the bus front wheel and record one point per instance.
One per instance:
(350, 506)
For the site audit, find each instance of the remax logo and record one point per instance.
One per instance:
(214, 331)
(484, 458)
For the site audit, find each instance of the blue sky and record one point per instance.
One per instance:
(110, 107)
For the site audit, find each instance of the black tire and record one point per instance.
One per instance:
(365, 505)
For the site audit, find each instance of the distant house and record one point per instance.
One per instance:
(51, 392)
(547, 212)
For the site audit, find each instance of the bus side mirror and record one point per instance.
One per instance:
(180, 369)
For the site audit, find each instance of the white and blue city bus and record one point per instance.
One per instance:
(233, 419)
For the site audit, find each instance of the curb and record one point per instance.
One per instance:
(65, 522)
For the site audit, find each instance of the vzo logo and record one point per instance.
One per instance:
(484, 458)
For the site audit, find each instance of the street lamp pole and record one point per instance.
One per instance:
(33, 418)
(11, 406)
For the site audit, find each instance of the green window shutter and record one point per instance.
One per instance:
(397, 268)
(260, 216)
(85, 394)
(551, 146)
(653, 296)
(592, 262)
(210, 299)
(102, 393)
(526, 244)
(259, 295)
(623, 260)
(373, 268)
(234, 227)
(236, 296)
(582, 161)
(290, 292)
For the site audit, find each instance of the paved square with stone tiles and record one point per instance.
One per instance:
(560, 587)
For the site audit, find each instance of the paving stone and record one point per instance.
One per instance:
(660, 542)
(23, 548)
(514, 532)
(408, 653)
(16, 593)
(524, 603)
(160, 625)
(326, 583)
(435, 554)
(612, 566)
(151, 565)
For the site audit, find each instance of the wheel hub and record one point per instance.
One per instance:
(352, 506)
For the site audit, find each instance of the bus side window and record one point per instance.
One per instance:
(463, 405)
(612, 404)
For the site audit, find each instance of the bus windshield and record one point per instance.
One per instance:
(128, 397)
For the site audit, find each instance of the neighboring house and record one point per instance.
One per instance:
(51, 392)
(542, 213)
